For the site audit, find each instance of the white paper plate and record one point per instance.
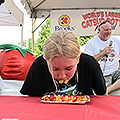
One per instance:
(70, 101)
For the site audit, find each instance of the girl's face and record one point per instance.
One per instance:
(62, 67)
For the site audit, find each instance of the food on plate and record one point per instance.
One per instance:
(66, 99)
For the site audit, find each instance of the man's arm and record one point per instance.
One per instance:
(103, 53)
(114, 87)
(98, 56)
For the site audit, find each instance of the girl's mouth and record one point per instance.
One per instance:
(63, 81)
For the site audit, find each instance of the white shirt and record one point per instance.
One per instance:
(96, 45)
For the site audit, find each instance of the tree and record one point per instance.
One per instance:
(30, 44)
(24, 43)
(82, 40)
(43, 36)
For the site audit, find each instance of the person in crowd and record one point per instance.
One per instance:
(64, 70)
(106, 50)
(114, 87)
(1, 86)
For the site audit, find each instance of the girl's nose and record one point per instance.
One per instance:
(62, 76)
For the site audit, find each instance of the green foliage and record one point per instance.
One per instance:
(24, 43)
(43, 36)
(30, 44)
(82, 40)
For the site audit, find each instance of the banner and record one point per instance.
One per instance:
(84, 22)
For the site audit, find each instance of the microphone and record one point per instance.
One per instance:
(110, 44)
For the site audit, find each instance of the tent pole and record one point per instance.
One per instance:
(32, 36)
(21, 36)
(33, 28)
(42, 23)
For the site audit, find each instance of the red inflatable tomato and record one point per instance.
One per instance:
(13, 65)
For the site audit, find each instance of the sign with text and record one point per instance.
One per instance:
(84, 22)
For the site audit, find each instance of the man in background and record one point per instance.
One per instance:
(106, 50)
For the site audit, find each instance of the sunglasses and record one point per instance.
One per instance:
(104, 22)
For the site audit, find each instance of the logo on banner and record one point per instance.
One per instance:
(64, 20)
(64, 23)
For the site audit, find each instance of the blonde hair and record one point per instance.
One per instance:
(61, 43)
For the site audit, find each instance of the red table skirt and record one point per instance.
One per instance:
(29, 108)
